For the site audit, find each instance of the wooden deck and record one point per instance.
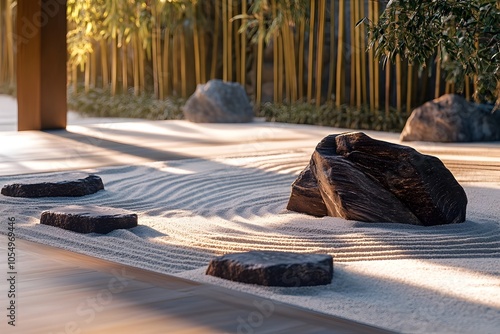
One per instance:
(63, 292)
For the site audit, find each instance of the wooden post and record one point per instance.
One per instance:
(41, 69)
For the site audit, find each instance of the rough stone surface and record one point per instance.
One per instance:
(65, 185)
(89, 219)
(218, 102)
(305, 197)
(274, 268)
(451, 118)
(360, 178)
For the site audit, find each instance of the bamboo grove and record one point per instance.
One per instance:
(284, 50)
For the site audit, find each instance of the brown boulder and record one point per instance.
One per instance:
(369, 180)
(305, 197)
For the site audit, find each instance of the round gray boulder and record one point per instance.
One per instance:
(219, 102)
(451, 118)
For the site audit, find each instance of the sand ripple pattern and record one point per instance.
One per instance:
(191, 210)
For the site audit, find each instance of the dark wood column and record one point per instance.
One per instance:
(41, 64)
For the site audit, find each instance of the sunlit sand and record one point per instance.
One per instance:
(232, 198)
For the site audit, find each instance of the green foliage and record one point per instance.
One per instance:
(329, 115)
(465, 34)
(288, 12)
(85, 26)
(99, 103)
(93, 20)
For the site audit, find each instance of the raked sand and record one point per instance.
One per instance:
(411, 279)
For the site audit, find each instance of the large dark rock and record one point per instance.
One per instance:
(89, 219)
(274, 268)
(450, 118)
(64, 185)
(305, 197)
(364, 179)
(219, 102)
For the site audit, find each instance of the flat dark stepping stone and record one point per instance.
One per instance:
(64, 185)
(274, 268)
(89, 219)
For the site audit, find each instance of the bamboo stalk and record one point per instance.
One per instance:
(230, 40)
(243, 46)
(387, 89)
(176, 60)
(398, 79)
(137, 50)
(449, 87)
(276, 70)
(104, 64)
(302, 29)
(74, 78)
(362, 37)
(340, 56)
(290, 62)
(159, 67)
(319, 55)
(142, 70)
(87, 75)
(376, 69)
(93, 69)
(189, 60)
(124, 68)
(183, 66)
(237, 52)
(279, 47)
(353, 52)
(409, 88)
(371, 61)
(155, 60)
(166, 61)
(357, 53)
(293, 67)
(399, 92)
(197, 60)
(331, 74)
(437, 89)
(310, 62)
(476, 79)
(215, 42)
(225, 44)
(260, 52)
(203, 53)
(114, 65)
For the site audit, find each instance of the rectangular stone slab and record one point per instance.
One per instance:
(62, 185)
(271, 268)
(89, 219)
